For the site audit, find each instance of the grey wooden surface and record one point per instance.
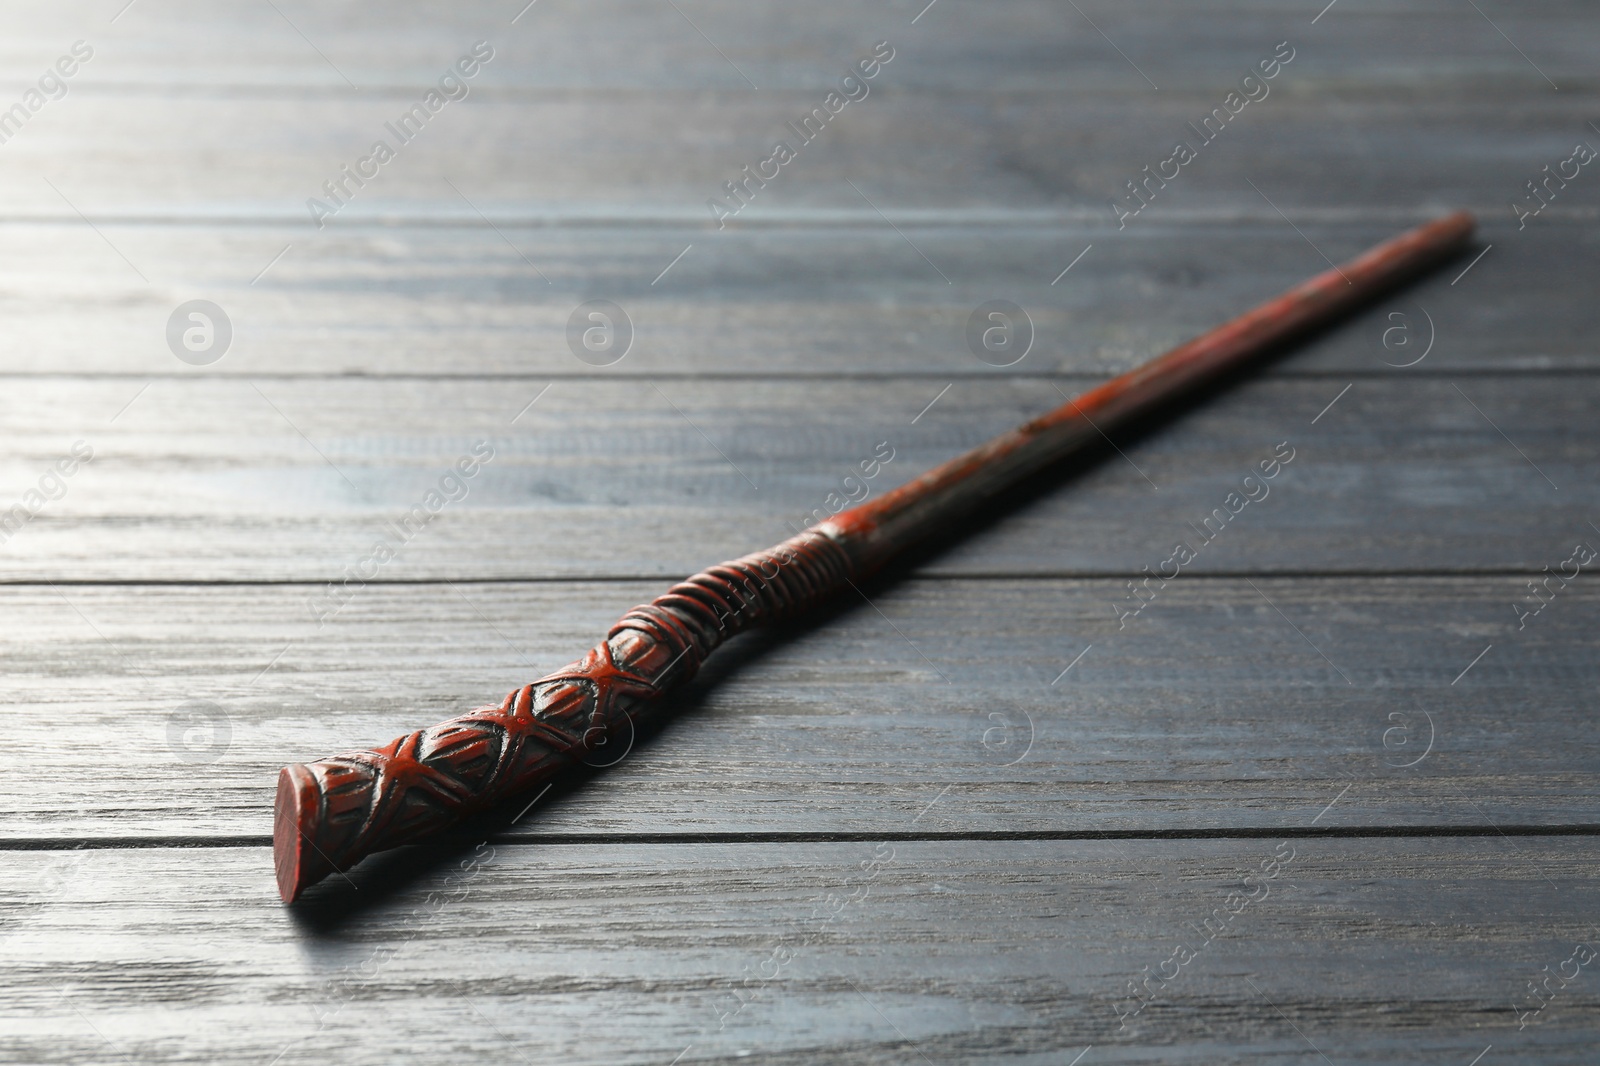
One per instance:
(970, 818)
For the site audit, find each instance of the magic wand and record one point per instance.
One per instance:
(333, 812)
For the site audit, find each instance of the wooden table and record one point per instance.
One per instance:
(1329, 796)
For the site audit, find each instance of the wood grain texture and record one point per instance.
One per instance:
(461, 300)
(1030, 45)
(657, 157)
(1369, 951)
(936, 133)
(206, 479)
(993, 141)
(1209, 710)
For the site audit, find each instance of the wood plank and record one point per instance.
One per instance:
(210, 479)
(966, 116)
(463, 300)
(120, 157)
(565, 44)
(1213, 708)
(1367, 951)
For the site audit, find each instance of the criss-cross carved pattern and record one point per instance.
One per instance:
(425, 780)
(371, 800)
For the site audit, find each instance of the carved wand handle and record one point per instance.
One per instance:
(333, 812)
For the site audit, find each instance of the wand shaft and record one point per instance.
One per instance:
(333, 812)
(880, 528)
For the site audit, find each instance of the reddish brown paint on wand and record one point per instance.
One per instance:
(333, 812)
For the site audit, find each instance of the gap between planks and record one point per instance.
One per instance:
(1267, 372)
(1441, 573)
(1084, 219)
(1348, 832)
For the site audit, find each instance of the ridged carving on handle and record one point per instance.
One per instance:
(333, 812)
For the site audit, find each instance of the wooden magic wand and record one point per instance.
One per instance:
(333, 812)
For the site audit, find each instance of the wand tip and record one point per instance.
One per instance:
(1464, 222)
